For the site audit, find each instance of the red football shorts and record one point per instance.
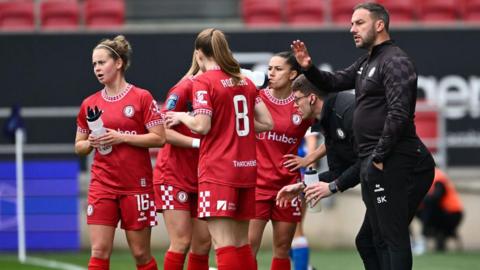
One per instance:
(216, 200)
(136, 211)
(266, 209)
(169, 197)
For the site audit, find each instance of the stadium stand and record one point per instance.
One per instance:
(401, 11)
(17, 15)
(262, 13)
(60, 14)
(104, 13)
(305, 12)
(471, 11)
(433, 11)
(341, 10)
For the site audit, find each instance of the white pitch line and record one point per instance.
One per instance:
(52, 264)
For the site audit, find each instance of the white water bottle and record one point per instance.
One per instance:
(309, 178)
(95, 124)
(257, 77)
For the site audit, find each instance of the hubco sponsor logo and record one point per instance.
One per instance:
(273, 136)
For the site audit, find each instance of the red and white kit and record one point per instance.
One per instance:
(227, 153)
(285, 138)
(122, 179)
(175, 174)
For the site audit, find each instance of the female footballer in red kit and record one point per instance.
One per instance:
(176, 184)
(121, 186)
(228, 112)
(272, 146)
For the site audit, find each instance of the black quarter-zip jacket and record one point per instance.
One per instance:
(385, 84)
(336, 126)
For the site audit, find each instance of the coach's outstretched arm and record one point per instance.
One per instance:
(325, 81)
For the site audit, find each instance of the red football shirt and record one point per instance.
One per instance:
(286, 136)
(227, 152)
(178, 165)
(127, 169)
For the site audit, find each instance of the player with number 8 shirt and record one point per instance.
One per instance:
(228, 112)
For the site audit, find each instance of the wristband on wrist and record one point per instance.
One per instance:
(196, 143)
(332, 186)
(303, 184)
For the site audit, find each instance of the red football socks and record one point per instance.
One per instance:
(98, 264)
(280, 264)
(173, 261)
(151, 265)
(197, 262)
(245, 255)
(227, 258)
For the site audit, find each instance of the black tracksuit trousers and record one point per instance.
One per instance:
(392, 197)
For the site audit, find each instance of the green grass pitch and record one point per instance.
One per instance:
(321, 259)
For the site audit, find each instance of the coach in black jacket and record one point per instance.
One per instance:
(396, 168)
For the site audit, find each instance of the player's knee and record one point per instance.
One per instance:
(281, 249)
(180, 245)
(141, 255)
(101, 251)
(201, 247)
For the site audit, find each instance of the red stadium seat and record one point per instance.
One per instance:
(439, 10)
(471, 11)
(104, 13)
(262, 13)
(401, 11)
(17, 15)
(305, 12)
(60, 14)
(342, 10)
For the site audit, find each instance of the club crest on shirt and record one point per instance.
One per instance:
(128, 111)
(340, 133)
(182, 196)
(296, 119)
(172, 102)
(200, 96)
(371, 72)
(89, 210)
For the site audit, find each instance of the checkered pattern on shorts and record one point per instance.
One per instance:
(167, 197)
(204, 204)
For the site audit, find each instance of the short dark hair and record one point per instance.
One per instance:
(304, 86)
(378, 12)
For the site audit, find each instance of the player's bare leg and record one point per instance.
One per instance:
(200, 246)
(282, 238)
(179, 228)
(139, 243)
(201, 239)
(101, 239)
(255, 233)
